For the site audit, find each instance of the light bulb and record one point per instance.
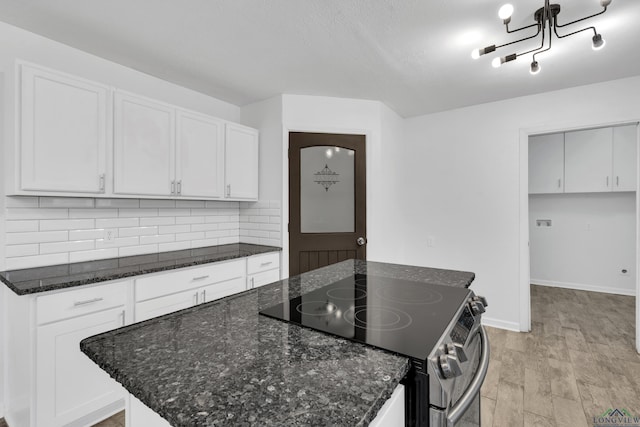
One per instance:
(605, 3)
(505, 11)
(497, 62)
(329, 153)
(598, 42)
(535, 68)
(475, 53)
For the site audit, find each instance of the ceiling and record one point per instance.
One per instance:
(413, 55)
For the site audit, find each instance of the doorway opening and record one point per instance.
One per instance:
(327, 199)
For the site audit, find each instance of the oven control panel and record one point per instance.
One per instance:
(463, 327)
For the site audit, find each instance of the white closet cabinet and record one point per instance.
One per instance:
(625, 158)
(241, 162)
(200, 156)
(588, 160)
(144, 146)
(546, 164)
(63, 132)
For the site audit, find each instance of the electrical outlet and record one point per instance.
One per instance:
(624, 272)
(110, 235)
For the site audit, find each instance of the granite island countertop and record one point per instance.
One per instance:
(42, 279)
(222, 363)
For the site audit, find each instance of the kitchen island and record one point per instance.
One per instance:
(222, 363)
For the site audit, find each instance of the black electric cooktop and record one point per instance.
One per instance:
(401, 316)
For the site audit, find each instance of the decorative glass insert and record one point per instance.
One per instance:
(327, 190)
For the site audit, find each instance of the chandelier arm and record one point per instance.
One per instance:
(575, 32)
(578, 20)
(523, 39)
(548, 48)
(520, 29)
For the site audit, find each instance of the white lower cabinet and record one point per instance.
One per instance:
(263, 269)
(140, 415)
(392, 412)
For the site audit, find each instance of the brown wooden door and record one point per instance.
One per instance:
(327, 200)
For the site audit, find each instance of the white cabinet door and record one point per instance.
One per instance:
(144, 146)
(63, 133)
(68, 384)
(546, 164)
(241, 162)
(264, 278)
(588, 160)
(166, 304)
(222, 289)
(625, 158)
(140, 415)
(200, 156)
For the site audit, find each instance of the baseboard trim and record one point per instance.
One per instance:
(500, 324)
(582, 287)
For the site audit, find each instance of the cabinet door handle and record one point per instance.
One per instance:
(204, 295)
(253, 282)
(607, 182)
(85, 302)
(196, 298)
(228, 190)
(201, 277)
(122, 318)
(179, 187)
(617, 181)
(173, 187)
(559, 183)
(101, 182)
(264, 264)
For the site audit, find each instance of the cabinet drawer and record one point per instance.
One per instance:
(77, 302)
(264, 278)
(164, 305)
(189, 278)
(258, 263)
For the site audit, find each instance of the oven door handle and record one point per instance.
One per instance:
(459, 409)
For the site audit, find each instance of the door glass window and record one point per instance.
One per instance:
(327, 190)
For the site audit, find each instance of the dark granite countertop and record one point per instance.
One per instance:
(41, 279)
(222, 363)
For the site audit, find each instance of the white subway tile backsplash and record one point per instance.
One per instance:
(137, 231)
(172, 229)
(144, 203)
(93, 213)
(160, 220)
(117, 222)
(21, 202)
(138, 250)
(22, 250)
(93, 255)
(35, 261)
(61, 247)
(37, 237)
(65, 224)
(54, 230)
(22, 226)
(65, 202)
(117, 203)
(175, 246)
(198, 235)
(96, 233)
(29, 213)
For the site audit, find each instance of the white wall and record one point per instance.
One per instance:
(2, 249)
(461, 181)
(592, 237)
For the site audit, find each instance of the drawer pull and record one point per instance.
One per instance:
(89, 301)
(264, 264)
(201, 277)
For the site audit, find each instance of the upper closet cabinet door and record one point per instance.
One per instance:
(241, 162)
(546, 164)
(63, 133)
(588, 160)
(200, 156)
(625, 158)
(144, 145)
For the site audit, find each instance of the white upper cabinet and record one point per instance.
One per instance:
(546, 164)
(200, 156)
(588, 160)
(625, 158)
(63, 132)
(241, 162)
(144, 146)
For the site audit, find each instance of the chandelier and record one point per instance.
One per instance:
(547, 24)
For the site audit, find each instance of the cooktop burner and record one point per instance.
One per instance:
(402, 316)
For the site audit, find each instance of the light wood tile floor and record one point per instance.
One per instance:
(116, 420)
(578, 361)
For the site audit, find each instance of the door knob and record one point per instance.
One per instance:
(361, 241)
